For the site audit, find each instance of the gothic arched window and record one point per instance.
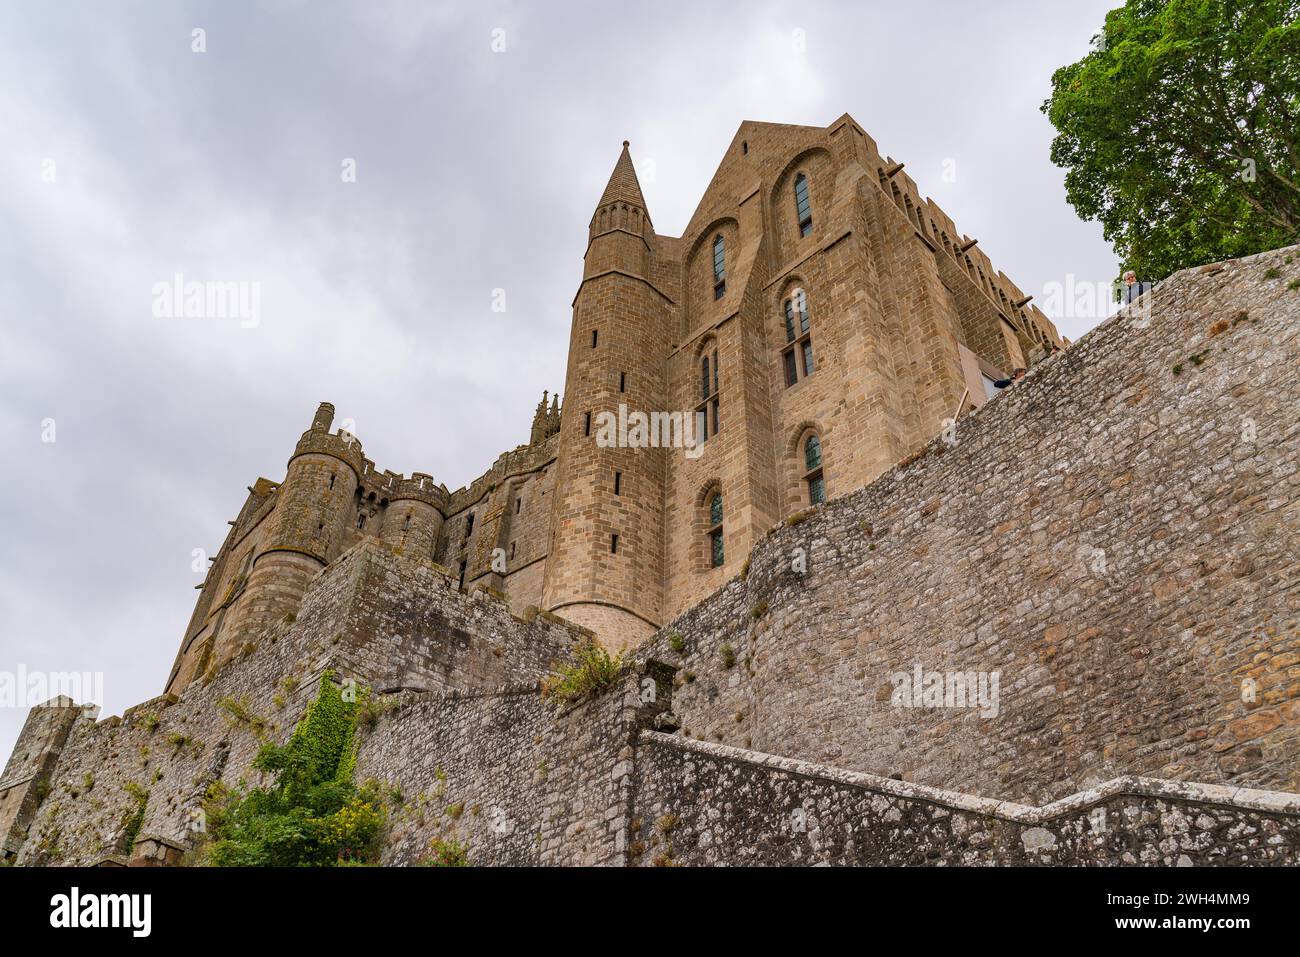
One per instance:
(797, 357)
(716, 556)
(812, 460)
(719, 267)
(707, 411)
(802, 207)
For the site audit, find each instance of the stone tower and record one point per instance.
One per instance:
(307, 528)
(26, 776)
(605, 567)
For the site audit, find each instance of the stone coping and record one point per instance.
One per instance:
(1276, 802)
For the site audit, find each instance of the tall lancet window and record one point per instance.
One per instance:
(797, 357)
(812, 460)
(715, 531)
(719, 268)
(707, 411)
(802, 207)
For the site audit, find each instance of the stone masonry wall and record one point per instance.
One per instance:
(401, 622)
(1115, 536)
(706, 804)
(388, 621)
(509, 775)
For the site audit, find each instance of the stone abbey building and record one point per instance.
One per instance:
(817, 322)
(1061, 629)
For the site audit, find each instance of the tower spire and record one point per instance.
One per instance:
(622, 205)
(623, 186)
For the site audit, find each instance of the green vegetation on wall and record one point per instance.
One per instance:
(593, 672)
(313, 814)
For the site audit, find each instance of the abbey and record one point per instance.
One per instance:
(1097, 568)
(819, 319)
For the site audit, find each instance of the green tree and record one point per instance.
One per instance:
(1179, 130)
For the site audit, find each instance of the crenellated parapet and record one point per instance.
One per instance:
(518, 461)
(341, 445)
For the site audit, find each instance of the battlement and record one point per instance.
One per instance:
(939, 231)
(340, 445)
(518, 461)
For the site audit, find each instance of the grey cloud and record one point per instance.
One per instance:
(475, 171)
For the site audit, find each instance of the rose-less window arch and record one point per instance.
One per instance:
(716, 554)
(802, 207)
(813, 478)
(709, 407)
(797, 357)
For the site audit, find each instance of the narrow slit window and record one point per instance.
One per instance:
(719, 268)
(613, 544)
(595, 336)
(813, 477)
(716, 552)
(618, 483)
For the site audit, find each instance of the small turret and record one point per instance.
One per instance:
(553, 418)
(412, 520)
(324, 417)
(305, 531)
(546, 420)
(538, 433)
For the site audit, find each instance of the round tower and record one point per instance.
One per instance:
(605, 565)
(412, 521)
(313, 507)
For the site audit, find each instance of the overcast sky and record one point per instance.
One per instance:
(126, 158)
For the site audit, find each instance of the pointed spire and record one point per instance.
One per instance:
(623, 186)
(538, 431)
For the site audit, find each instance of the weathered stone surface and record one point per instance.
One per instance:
(1116, 539)
(1170, 657)
(703, 803)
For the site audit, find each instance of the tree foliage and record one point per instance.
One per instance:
(1179, 130)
